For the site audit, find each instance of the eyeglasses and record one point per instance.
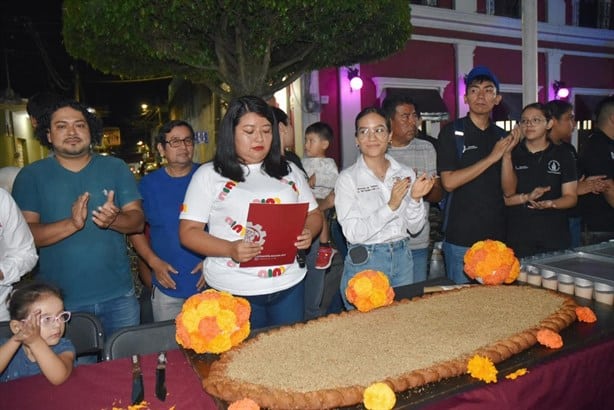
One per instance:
(533, 121)
(175, 143)
(379, 132)
(51, 320)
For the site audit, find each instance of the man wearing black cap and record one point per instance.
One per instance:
(469, 162)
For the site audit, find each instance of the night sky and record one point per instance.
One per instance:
(33, 51)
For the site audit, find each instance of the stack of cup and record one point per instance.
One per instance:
(549, 279)
(583, 288)
(604, 293)
(565, 283)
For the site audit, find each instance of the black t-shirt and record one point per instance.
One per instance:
(530, 231)
(597, 158)
(477, 208)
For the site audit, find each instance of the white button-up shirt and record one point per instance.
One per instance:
(361, 202)
(17, 251)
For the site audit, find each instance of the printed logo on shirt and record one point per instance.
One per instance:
(226, 190)
(271, 272)
(235, 226)
(267, 201)
(520, 167)
(469, 148)
(554, 167)
(183, 208)
(291, 183)
(369, 188)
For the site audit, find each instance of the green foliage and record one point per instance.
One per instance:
(234, 47)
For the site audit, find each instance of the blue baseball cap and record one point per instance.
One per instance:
(481, 71)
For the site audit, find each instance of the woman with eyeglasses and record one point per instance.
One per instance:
(379, 206)
(38, 321)
(172, 273)
(545, 188)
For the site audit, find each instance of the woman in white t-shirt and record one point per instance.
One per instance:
(379, 203)
(248, 167)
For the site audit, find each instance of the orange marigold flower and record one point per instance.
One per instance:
(518, 373)
(549, 338)
(379, 396)
(368, 290)
(585, 314)
(482, 368)
(244, 404)
(212, 322)
(491, 263)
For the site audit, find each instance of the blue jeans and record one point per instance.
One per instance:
(420, 257)
(314, 284)
(394, 259)
(114, 314)
(575, 230)
(453, 256)
(279, 308)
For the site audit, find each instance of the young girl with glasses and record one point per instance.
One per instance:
(545, 188)
(38, 322)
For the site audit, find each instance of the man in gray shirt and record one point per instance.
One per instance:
(418, 154)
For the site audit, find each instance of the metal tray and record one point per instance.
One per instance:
(581, 264)
(604, 248)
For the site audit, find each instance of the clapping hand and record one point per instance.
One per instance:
(399, 190)
(106, 214)
(422, 186)
(79, 211)
(535, 195)
(29, 329)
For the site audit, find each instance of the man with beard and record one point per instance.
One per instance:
(79, 206)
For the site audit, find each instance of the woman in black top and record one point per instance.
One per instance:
(546, 187)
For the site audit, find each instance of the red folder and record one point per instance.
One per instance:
(276, 226)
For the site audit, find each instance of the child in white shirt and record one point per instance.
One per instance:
(322, 173)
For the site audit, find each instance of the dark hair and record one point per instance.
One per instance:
(558, 108)
(44, 122)
(370, 110)
(168, 127)
(391, 102)
(322, 129)
(226, 161)
(604, 109)
(280, 115)
(40, 102)
(23, 296)
(539, 106)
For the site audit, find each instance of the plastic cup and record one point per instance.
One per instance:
(549, 279)
(565, 283)
(604, 293)
(583, 288)
(534, 277)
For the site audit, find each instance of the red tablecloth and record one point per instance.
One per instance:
(581, 380)
(107, 385)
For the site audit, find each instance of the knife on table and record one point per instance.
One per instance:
(138, 391)
(160, 377)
